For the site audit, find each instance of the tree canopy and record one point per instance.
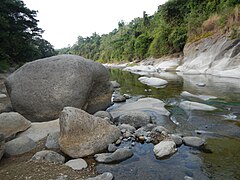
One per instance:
(20, 36)
(167, 31)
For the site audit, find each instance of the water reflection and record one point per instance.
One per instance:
(221, 130)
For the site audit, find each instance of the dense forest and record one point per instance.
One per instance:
(20, 36)
(166, 32)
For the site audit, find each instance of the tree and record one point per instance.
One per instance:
(20, 36)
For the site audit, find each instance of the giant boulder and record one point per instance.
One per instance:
(39, 90)
(82, 134)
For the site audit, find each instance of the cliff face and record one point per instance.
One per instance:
(216, 55)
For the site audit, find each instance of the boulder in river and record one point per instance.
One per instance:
(11, 123)
(188, 105)
(153, 81)
(193, 141)
(136, 119)
(82, 134)
(39, 90)
(165, 149)
(119, 155)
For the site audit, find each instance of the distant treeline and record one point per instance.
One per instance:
(167, 31)
(20, 36)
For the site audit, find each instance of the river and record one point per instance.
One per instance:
(221, 129)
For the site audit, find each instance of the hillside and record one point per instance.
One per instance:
(174, 24)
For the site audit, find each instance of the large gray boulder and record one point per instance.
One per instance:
(11, 123)
(82, 134)
(39, 90)
(164, 149)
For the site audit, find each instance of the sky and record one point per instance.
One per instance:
(65, 20)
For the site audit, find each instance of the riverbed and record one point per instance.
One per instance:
(221, 129)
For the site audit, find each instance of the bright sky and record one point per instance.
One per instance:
(65, 20)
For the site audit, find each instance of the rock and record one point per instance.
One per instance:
(153, 81)
(52, 141)
(104, 114)
(188, 178)
(119, 98)
(82, 134)
(217, 55)
(143, 131)
(112, 148)
(6, 107)
(38, 131)
(136, 119)
(2, 96)
(2, 145)
(143, 69)
(77, 164)
(159, 129)
(188, 105)
(19, 146)
(115, 84)
(177, 139)
(201, 84)
(127, 127)
(119, 155)
(203, 97)
(144, 104)
(164, 149)
(104, 176)
(193, 141)
(12, 123)
(40, 89)
(48, 156)
(127, 96)
(62, 177)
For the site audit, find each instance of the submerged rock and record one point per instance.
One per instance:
(11, 123)
(188, 105)
(164, 149)
(40, 89)
(203, 97)
(82, 134)
(48, 156)
(119, 155)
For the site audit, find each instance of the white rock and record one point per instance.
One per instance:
(77, 164)
(104, 176)
(203, 97)
(164, 149)
(2, 96)
(137, 69)
(188, 105)
(153, 81)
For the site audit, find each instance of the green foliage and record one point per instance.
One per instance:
(20, 37)
(166, 32)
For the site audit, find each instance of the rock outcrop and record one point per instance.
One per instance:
(39, 90)
(216, 55)
(82, 134)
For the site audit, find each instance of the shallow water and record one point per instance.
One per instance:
(221, 129)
